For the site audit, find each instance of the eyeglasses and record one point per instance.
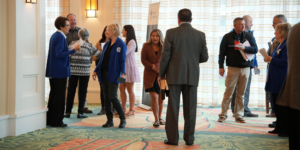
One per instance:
(67, 25)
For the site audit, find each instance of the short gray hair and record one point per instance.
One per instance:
(281, 17)
(235, 21)
(284, 29)
(84, 33)
(71, 14)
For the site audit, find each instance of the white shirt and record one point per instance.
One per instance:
(62, 33)
(184, 22)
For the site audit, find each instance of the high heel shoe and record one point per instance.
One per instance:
(130, 113)
(162, 122)
(156, 124)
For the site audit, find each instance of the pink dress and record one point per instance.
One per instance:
(132, 72)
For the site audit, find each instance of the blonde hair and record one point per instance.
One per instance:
(284, 29)
(161, 37)
(116, 29)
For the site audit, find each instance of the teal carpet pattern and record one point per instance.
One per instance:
(91, 137)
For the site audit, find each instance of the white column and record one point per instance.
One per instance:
(26, 67)
(3, 68)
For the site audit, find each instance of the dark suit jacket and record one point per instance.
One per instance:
(184, 48)
(148, 58)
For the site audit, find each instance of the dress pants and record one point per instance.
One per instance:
(110, 96)
(56, 103)
(246, 97)
(82, 90)
(293, 125)
(102, 96)
(189, 94)
(281, 115)
(236, 77)
(101, 92)
(271, 101)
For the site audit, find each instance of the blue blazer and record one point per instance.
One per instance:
(58, 63)
(117, 61)
(277, 69)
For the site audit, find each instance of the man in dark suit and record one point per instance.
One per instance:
(184, 48)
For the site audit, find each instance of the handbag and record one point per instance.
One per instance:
(164, 91)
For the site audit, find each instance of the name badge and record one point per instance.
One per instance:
(278, 51)
(119, 49)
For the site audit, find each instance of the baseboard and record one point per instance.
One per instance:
(4, 126)
(26, 122)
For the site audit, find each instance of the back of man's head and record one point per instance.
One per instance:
(185, 15)
(281, 17)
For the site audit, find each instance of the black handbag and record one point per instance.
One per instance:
(164, 92)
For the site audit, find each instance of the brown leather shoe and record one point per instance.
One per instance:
(86, 110)
(240, 120)
(102, 112)
(271, 115)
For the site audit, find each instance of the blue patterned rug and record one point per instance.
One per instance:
(139, 133)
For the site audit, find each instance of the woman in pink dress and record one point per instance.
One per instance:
(132, 72)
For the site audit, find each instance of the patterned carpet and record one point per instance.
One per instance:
(87, 134)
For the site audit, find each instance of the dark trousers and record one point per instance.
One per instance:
(246, 96)
(293, 125)
(56, 103)
(102, 96)
(82, 90)
(272, 105)
(110, 97)
(281, 115)
(189, 94)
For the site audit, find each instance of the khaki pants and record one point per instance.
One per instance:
(235, 77)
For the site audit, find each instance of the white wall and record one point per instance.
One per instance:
(95, 26)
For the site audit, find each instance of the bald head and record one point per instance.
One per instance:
(248, 22)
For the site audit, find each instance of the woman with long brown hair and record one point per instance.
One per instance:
(150, 57)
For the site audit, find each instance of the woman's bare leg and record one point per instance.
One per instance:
(130, 90)
(154, 105)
